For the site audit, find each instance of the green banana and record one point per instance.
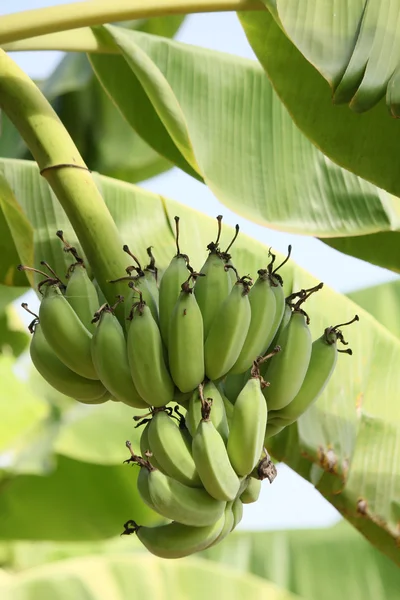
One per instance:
(233, 384)
(181, 503)
(273, 428)
(252, 491)
(146, 358)
(287, 370)
(61, 377)
(145, 448)
(227, 526)
(263, 308)
(218, 414)
(237, 511)
(228, 331)
(170, 287)
(110, 358)
(175, 540)
(228, 410)
(247, 428)
(212, 462)
(143, 488)
(82, 295)
(140, 282)
(185, 342)
(171, 449)
(151, 276)
(65, 333)
(320, 369)
(212, 289)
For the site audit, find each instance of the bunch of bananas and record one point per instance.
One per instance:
(214, 344)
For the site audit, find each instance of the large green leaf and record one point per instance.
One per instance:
(353, 430)
(366, 144)
(383, 302)
(316, 564)
(253, 157)
(76, 501)
(126, 577)
(355, 46)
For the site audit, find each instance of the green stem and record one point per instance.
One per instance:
(62, 166)
(73, 40)
(41, 21)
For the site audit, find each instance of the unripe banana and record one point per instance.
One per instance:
(212, 462)
(179, 502)
(228, 409)
(146, 358)
(237, 511)
(213, 289)
(145, 448)
(175, 540)
(228, 332)
(65, 333)
(186, 342)
(247, 428)
(217, 415)
(140, 283)
(281, 317)
(320, 369)
(110, 358)
(286, 371)
(82, 295)
(143, 488)
(274, 426)
(171, 449)
(228, 524)
(262, 300)
(61, 377)
(233, 385)
(252, 491)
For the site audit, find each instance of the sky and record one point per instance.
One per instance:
(290, 502)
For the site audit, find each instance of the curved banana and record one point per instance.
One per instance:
(237, 511)
(287, 370)
(175, 540)
(82, 295)
(228, 411)
(323, 360)
(143, 488)
(217, 415)
(212, 289)
(247, 428)
(185, 342)
(252, 491)
(110, 358)
(274, 426)
(140, 282)
(262, 300)
(212, 462)
(61, 377)
(179, 502)
(151, 276)
(228, 331)
(171, 449)
(146, 358)
(65, 333)
(228, 524)
(145, 448)
(170, 286)
(233, 384)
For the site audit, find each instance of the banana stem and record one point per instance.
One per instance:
(42, 21)
(62, 166)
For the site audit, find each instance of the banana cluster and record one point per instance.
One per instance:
(199, 466)
(235, 356)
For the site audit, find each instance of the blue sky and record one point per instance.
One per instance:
(221, 31)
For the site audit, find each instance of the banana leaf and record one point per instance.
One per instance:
(124, 577)
(346, 50)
